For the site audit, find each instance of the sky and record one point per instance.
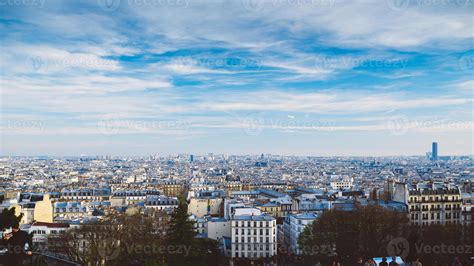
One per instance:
(289, 77)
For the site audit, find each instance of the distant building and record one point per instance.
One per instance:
(434, 151)
(161, 202)
(205, 206)
(44, 210)
(342, 183)
(41, 231)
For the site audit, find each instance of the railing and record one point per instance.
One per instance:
(39, 259)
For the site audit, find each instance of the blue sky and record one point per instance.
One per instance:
(300, 77)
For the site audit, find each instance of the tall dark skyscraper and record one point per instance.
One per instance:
(434, 151)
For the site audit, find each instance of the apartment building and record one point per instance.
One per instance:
(292, 227)
(431, 203)
(254, 234)
(161, 202)
(467, 209)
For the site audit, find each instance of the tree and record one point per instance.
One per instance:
(181, 228)
(181, 236)
(8, 218)
(150, 238)
(439, 244)
(364, 232)
(119, 239)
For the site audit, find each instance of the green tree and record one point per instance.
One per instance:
(181, 236)
(180, 230)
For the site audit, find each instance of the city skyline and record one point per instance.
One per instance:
(307, 78)
(194, 156)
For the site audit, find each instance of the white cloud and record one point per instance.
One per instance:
(467, 86)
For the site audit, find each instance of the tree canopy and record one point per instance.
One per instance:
(8, 218)
(373, 231)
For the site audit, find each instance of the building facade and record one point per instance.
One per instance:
(253, 236)
(435, 204)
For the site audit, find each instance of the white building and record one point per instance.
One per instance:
(74, 210)
(86, 194)
(41, 230)
(431, 203)
(293, 225)
(161, 202)
(218, 228)
(201, 207)
(467, 210)
(254, 234)
(341, 183)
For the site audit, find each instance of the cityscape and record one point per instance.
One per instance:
(254, 208)
(228, 133)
